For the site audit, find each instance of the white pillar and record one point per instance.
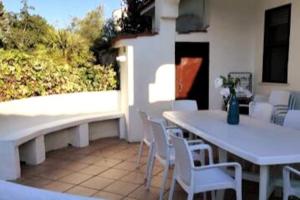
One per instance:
(33, 152)
(80, 137)
(9, 161)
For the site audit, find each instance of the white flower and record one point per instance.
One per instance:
(225, 92)
(218, 82)
(247, 93)
(239, 89)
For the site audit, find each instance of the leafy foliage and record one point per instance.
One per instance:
(3, 24)
(132, 21)
(231, 83)
(37, 59)
(90, 27)
(102, 47)
(24, 75)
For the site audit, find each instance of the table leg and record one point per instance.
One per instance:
(222, 158)
(263, 182)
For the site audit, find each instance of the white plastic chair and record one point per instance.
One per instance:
(205, 178)
(280, 102)
(149, 141)
(279, 97)
(261, 111)
(292, 119)
(184, 105)
(164, 151)
(147, 136)
(288, 189)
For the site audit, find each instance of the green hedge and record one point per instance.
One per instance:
(39, 73)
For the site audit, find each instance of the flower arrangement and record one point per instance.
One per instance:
(230, 87)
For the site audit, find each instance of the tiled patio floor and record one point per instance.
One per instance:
(105, 169)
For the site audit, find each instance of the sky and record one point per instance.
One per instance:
(60, 12)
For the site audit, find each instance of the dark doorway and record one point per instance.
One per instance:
(192, 72)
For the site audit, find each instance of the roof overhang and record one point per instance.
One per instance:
(148, 7)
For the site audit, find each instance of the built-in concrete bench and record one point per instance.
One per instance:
(12, 191)
(30, 127)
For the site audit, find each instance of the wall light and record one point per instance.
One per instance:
(121, 58)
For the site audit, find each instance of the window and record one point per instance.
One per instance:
(276, 44)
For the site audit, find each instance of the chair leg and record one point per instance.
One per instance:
(190, 196)
(220, 194)
(165, 177)
(285, 194)
(171, 192)
(213, 195)
(238, 194)
(202, 157)
(285, 197)
(140, 154)
(151, 162)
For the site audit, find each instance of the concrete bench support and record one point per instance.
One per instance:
(122, 128)
(80, 138)
(33, 152)
(10, 161)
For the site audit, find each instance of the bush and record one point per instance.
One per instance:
(24, 74)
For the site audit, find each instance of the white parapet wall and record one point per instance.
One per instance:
(63, 104)
(21, 113)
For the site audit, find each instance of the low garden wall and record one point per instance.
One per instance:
(63, 104)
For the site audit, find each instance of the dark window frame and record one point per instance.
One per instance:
(271, 45)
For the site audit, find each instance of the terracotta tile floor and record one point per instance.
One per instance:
(106, 169)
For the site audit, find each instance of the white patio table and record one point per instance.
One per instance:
(261, 143)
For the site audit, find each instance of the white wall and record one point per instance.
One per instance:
(148, 76)
(63, 104)
(231, 37)
(294, 58)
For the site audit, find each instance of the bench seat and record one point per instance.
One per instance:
(30, 131)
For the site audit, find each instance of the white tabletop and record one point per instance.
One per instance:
(258, 142)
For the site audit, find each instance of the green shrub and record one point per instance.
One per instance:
(42, 73)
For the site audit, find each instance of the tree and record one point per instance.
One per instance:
(132, 21)
(90, 27)
(37, 59)
(102, 47)
(26, 31)
(73, 48)
(3, 24)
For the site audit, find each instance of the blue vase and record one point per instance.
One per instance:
(233, 113)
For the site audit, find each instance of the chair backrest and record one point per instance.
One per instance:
(146, 126)
(184, 105)
(160, 138)
(292, 119)
(183, 159)
(295, 100)
(261, 111)
(279, 97)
